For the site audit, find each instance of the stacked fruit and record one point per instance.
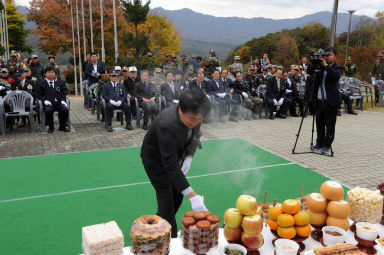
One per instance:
(243, 223)
(329, 207)
(288, 220)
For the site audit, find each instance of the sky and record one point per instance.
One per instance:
(275, 9)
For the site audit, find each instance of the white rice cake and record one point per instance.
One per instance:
(102, 237)
(112, 252)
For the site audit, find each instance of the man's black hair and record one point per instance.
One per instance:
(237, 73)
(49, 68)
(194, 101)
(166, 74)
(216, 70)
(333, 49)
(94, 53)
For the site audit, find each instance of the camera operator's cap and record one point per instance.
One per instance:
(19, 72)
(132, 69)
(34, 56)
(125, 69)
(251, 67)
(237, 58)
(118, 68)
(13, 53)
(113, 72)
(200, 70)
(381, 54)
(157, 70)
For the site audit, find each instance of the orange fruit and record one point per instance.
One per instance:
(290, 206)
(272, 224)
(288, 233)
(274, 212)
(301, 218)
(286, 220)
(303, 231)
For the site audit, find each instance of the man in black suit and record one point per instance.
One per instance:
(199, 83)
(53, 93)
(115, 98)
(147, 97)
(225, 79)
(167, 153)
(94, 69)
(129, 85)
(275, 95)
(328, 100)
(217, 88)
(170, 90)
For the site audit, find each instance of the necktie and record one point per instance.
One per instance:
(51, 84)
(278, 83)
(172, 87)
(217, 84)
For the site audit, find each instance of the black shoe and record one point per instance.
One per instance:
(129, 126)
(109, 129)
(352, 112)
(50, 131)
(295, 115)
(64, 129)
(316, 147)
(271, 117)
(278, 115)
(338, 113)
(283, 116)
(102, 119)
(145, 126)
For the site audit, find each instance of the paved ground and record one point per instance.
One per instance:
(358, 144)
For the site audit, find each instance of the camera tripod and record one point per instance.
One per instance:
(309, 94)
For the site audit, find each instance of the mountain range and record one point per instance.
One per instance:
(200, 32)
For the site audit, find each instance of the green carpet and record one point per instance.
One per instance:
(52, 224)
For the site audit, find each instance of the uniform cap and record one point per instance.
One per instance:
(349, 58)
(4, 70)
(118, 68)
(125, 69)
(34, 56)
(251, 67)
(51, 56)
(113, 72)
(13, 53)
(19, 71)
(157, 70)
(132, 69)
(237, 57)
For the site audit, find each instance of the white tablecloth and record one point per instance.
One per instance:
(266, 249)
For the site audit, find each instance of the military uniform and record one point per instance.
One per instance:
(378, 74)
(350, 70)
(13, 65)
(36, 69)
(262, 78)
(156, 82)
(293, 94)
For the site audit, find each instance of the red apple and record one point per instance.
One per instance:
(247, 205)
(232, 218)
(252, 225)
(252, 241)
(232, 234)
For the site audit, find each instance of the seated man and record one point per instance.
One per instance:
(276, 95)
(22, 84)
(170, 90)
(146, 95)
(254, 101)
(347, 101)
(199, 82)
(129, 84)
(53, 93)
(99, 91)
(217, 88)
(293, 82)
(115, 98)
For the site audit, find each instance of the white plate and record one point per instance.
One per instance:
(309, 253)
(378, 243)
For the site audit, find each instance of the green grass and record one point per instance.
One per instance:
(52, 225)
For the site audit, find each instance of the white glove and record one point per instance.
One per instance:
(46, 102)
(186, 165)
(112, 102)
(118, 103)
(175, 101)
(245, 95)
(64, 103)
(288, 91)
(221, 95)
(2, 87)
(197, 204)
(274, 101)
(373, 80)
(281, 101)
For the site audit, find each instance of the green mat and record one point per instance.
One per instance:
(46, 200)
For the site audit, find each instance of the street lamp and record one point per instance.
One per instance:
(349, 31)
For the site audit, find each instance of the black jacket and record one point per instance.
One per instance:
(273, 92)
(129, 85)
(240, 87)
(166, 91)
(114, 93)
(164, 148)
(29, 87)
(54, 95)
(334, 72)
(203, 85)
(212, 88)
(142, 91)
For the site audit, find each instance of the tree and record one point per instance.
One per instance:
(136, 13)
(16, 33)
(286, 52)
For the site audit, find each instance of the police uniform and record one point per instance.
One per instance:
(54, 66)
(350, 69)
(378, 74)
(115, 92)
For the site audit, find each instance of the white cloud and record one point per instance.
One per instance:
(278, 9)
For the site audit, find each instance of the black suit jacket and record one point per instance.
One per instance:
(54, 95)
(142, 91)
(89, 72)
(240, 87)
(164, 148)
(212, 88)
(167, 92)
(272, 91)
(203, 86)
(29, 86)
(116, 93)
(334, 72)
(129, 85)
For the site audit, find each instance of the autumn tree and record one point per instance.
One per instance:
(286, 52)
(136, 13)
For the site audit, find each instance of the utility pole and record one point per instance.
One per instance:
(82, 16)
(74, 50)
(91, 23)
(333, 23)
(78, 45)
(349, 32)
(115, 31)
(102, 31)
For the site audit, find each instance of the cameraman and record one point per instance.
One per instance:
(327, 97)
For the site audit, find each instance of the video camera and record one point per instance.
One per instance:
(315, 58)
